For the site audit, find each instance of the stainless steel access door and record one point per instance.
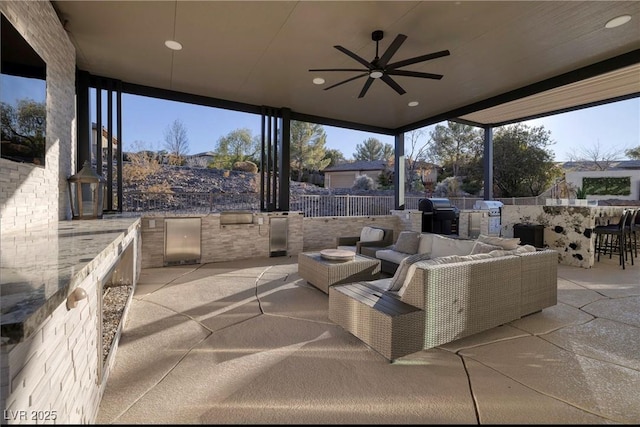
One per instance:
(278, 236)
(182, 240)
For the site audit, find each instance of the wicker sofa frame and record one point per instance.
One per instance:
(443, 303)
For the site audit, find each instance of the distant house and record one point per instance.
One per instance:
(428, 172)
(201, 160)
(343, 175)
(105, 139)
(576, 172)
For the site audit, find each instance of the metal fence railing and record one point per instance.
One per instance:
(310, 205)
(138, 201)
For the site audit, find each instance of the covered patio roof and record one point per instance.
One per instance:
(508, 61)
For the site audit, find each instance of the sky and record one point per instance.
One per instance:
(613, 126)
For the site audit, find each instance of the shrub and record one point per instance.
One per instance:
(141, 166)
(245, 167)
(364, 182)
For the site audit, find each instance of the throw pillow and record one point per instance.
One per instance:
(483, 248)
(444, 246)
(426, 243)
(504, 242)
(400, 275)
(525, 249)
(407, 242)
(371, 234)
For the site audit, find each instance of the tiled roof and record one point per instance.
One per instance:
(361, 165)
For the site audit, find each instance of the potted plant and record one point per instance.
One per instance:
(581, 193)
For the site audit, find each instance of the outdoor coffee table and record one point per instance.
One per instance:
(322, 273)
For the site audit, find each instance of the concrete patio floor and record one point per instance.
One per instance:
(250, 342)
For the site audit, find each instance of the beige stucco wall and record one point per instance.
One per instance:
(575, 178)
(345, 179)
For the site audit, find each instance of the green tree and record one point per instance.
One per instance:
(237, 146)
(23, 130)
(522, 163)
(373, 149)
(455, 147)
(176, 142)
(307, 148)
(633, 153)
(335, 156)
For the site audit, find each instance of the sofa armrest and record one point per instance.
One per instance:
(464, 298)
(347, 241)
(539, 280)
(375, 243)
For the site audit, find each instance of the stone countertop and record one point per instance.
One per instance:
(41, 266)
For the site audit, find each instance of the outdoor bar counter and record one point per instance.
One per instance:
(567, 229)
(40, 267)
(52, 363)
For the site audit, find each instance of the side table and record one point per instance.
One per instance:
(323, 273)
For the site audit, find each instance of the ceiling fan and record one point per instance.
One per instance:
(380, 68)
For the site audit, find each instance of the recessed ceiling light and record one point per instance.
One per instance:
(318, 81)
(617, 21)
(413, 103)
(173, 45)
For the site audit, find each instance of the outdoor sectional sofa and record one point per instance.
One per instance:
(446, 298)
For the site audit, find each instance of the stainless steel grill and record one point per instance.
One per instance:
(494, 211)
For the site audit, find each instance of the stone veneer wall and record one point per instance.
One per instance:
(243, 241)
(53, 375)
(322, 232)
(222, 242)
(567, 229)
(29, 194)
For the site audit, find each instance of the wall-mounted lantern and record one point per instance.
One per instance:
(86, 192)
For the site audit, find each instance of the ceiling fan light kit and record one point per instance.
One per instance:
(380, 68)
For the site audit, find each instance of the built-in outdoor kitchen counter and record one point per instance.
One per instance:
(53, 362)
(40, 267)
(173, 238)
(567, 229)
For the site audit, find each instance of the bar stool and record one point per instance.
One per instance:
(634, 228)
(613, 238)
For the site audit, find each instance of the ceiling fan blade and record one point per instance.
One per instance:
(366, 87)
(347, 81)
(338, 69)
(354, 56)
(414, 74)
(417, 59)
(388, 80)
(391, 50)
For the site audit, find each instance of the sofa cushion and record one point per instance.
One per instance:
(380, 284)
(518, 250)
(407, 242)
(443, 246)
(503, 242)
(371, 234)
(391, 255)
(425, 243)
(400, 276)
(483, 248)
